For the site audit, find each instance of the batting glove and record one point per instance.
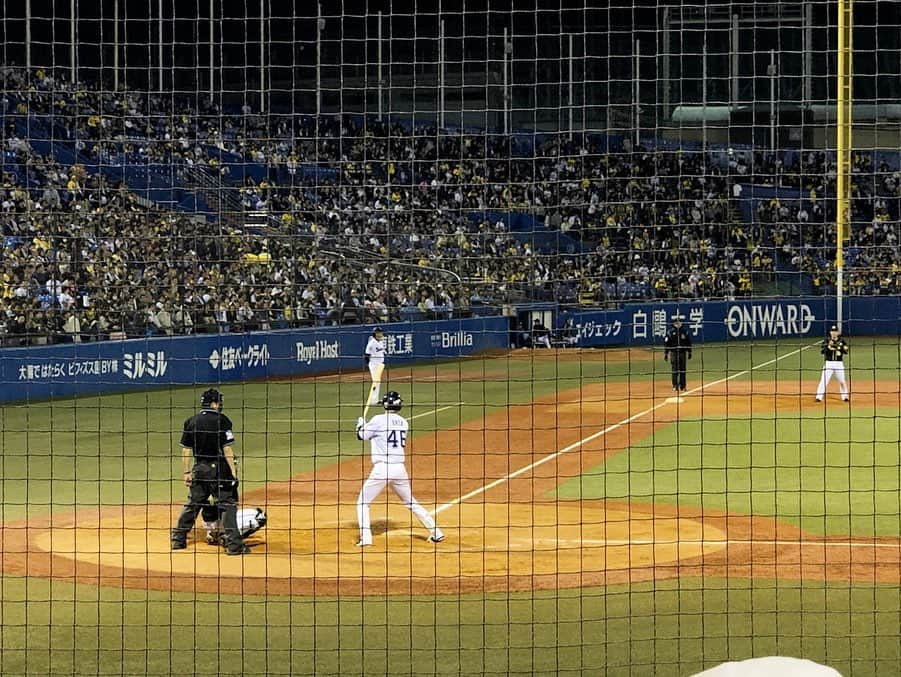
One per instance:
(360, 423)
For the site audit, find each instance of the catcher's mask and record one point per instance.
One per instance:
(392, 401)
(210, 396)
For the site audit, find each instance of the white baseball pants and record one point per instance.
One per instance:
(395, 476)
(833, 368)
(375, 371)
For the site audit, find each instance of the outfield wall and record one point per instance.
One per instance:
(109, 366)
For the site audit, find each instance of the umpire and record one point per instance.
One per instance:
(207, 444)
(677, 350)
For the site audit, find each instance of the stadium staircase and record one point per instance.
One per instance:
(222, 200)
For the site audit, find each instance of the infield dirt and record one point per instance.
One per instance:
(506, 534)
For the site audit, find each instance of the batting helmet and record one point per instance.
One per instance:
(210, 396)
(392, 401)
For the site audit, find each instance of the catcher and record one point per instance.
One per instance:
(250, 521)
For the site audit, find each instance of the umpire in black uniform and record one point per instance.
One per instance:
(677, 350)
(209, 471)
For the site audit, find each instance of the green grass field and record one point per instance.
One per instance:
(831, 471)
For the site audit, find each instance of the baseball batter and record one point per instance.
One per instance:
(834, 348)
(388, 438)
(374, 356)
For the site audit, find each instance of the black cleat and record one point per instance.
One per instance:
(179, 545)
(240, 550)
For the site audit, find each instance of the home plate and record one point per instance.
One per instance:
(675, 400)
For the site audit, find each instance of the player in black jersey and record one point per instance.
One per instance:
(677, 351)
(834, 348)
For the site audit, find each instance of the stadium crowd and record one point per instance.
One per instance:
(404, 224)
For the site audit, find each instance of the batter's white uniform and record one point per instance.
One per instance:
(388, 438)
(375, 351)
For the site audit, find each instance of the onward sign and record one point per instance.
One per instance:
(769, 319)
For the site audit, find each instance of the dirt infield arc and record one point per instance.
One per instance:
(506, 537)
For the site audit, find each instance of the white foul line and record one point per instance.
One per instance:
(435, 411)
(601, 433)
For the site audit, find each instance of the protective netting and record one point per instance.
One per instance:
(529, 200)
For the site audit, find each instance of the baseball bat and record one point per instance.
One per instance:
(368, 399)
(375, 384)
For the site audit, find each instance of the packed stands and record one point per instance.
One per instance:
(281, 221)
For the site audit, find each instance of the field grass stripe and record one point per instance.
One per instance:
(608, 429)
(744, 541)
(739, 374)
(337, 420)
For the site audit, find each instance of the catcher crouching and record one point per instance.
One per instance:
(250, 521)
